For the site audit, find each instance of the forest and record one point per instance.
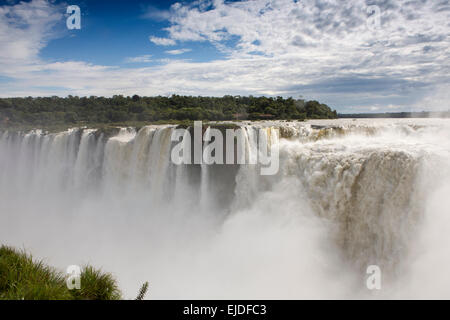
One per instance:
(73, 110)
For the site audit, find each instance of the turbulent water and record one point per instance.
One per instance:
(348, 194)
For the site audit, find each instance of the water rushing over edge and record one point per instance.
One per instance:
(348, 194)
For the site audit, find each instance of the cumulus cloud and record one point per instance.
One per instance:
(26, 28)
(178, 51)
(139, 59)
(162, 41)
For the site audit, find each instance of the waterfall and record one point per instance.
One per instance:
(348, 194)
(87, 161)
(182, 193)
(117, 158)
(160, 163)
(205, 176)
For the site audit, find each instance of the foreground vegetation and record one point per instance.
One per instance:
(81, 111)
(23, 278)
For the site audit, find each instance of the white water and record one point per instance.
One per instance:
(348, 195)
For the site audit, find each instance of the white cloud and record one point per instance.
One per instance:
(139, 59)
(306, 42)
(178, 51)
(436, 100)
(25, 29)
(151, 12)
(162, 41)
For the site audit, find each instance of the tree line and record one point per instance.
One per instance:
(75, 110)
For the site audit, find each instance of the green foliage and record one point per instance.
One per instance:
(45, 111)
(96, 285)
(142, 291)
(23, 278)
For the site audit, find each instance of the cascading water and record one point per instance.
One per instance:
(348, 194)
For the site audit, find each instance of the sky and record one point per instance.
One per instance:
(354, 55)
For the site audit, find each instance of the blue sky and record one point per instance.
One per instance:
(356, 56)
(116, 30)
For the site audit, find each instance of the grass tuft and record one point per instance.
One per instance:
(22, 278)
(96, 285)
